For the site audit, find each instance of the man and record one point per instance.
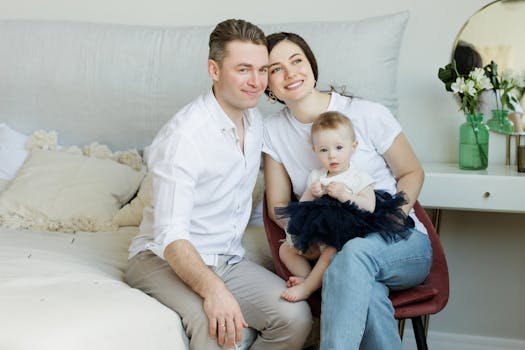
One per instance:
(204, 163)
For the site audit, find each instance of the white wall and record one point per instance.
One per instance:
(483, 250)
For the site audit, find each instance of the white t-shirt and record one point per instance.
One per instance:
(354, 179)
(287, 141)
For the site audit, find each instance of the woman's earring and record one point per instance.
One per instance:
(271, 97)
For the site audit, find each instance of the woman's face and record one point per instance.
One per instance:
(290, 76)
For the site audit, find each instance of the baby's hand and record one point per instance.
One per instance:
(317, 189)
(338, 191)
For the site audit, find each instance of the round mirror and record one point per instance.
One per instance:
(497, 32)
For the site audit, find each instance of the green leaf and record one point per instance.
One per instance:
(448, 75)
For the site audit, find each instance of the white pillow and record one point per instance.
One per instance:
(59, 191)
(12, 151)
(131, 213)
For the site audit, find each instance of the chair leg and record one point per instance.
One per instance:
(401, 328)
(419, 333)
(426, 321)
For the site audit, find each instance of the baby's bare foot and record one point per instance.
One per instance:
(294, 280)
(296, 293)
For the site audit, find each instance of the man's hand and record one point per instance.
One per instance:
(226, 321)
(224, 314)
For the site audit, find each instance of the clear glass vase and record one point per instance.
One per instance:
(500, 122)
(473, 143)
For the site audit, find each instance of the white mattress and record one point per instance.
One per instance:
(65, 291)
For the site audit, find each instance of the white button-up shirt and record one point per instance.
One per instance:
(202, 182)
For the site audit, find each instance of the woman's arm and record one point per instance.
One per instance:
(278, 188)
(406, 168)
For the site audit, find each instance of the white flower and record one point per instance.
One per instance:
(508, 75)
(470, 88)
(484, 83)
(477, 74)
(458, 86)
(520, 80)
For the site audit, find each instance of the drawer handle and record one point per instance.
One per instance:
(486, 195)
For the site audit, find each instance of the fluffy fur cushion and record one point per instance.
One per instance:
(63, 191)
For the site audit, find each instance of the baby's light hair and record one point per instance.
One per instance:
(330, 121)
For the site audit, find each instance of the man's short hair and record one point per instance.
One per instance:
(230, 30)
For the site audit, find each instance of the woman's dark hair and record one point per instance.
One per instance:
(275, 38)
(467, 58)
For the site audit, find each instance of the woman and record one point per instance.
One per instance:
(356, 312)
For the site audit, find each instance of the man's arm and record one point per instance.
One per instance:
(175, 166)
(226, 321)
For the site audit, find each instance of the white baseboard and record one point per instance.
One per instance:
(452, 341)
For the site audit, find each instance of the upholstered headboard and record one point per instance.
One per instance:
(118, 84)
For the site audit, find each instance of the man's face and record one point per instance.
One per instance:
(241, 77)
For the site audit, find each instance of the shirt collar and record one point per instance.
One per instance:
(224, 122)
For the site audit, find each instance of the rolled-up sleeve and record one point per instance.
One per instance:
(175, 165)
(268, 146)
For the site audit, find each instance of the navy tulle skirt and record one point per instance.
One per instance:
(327, 220)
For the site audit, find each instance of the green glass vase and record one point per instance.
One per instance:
(473, 143)
(500, 122)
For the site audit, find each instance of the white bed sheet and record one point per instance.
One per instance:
(66, 291)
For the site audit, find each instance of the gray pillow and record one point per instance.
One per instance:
(359, 57)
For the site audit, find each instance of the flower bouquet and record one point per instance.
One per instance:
(506, 101)
(473, 134)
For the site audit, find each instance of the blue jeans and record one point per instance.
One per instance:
(356, 312)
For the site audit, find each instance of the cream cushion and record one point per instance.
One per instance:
(59, 191)
(3, 184)
(131, 213)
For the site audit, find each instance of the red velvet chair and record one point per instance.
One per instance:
(416, 303)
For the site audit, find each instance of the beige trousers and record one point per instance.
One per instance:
(279, 324)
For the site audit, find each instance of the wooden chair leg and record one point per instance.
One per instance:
(419, 333)
(401, 328)
(426, 321)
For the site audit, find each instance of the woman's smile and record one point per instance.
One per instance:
(296, 84)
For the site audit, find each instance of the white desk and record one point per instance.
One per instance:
(498, 188)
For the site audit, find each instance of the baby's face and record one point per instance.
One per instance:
(334, 148)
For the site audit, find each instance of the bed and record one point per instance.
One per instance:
(78, 104)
